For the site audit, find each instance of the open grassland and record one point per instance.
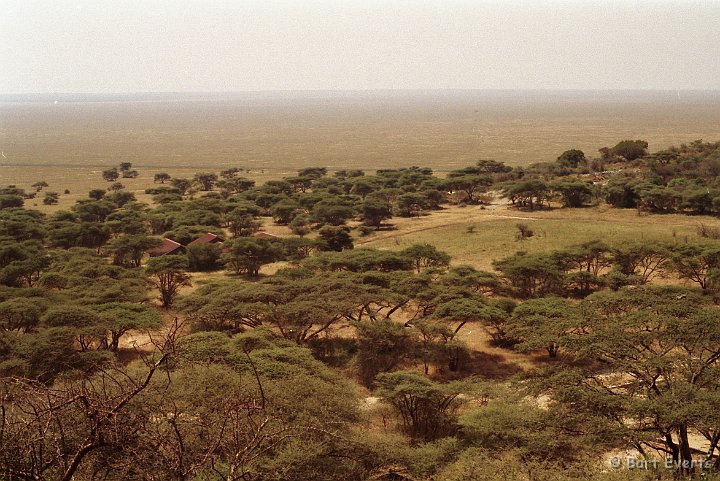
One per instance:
(442, 130)
(494, 230)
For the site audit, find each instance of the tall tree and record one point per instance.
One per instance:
(168, 274)
(246, 255)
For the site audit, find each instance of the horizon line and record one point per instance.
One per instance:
(360, 90)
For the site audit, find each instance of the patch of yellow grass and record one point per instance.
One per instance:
(495, 230)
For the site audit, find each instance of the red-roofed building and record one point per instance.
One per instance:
(168, 246)
(208, 238)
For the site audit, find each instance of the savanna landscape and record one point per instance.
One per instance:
(389, 286)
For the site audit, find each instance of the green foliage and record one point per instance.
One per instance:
(85, 325)
(111, 175)
(572, 158)
(621, 192)
(21, 313)
(426, 256)
(185, 234)
(359, 260)
(11, 201)
(374, 212)
(641, 335)
(528, 193)
(127, 221)
(334, 212)
(645, 260)
(128, 250)
(243, 225)
(120, 317)
(22, 263)
(382, 346)
(203, 257)
(334, 239)
(532, 275)
(573, 193)
(182, 185)
(697, 264)
(426, 409)
(120, 197)
(300, 225)
(22, 225)
(284, 211)
(247, 255)
(51, 198)
(89, 210)
(204, 180)
(543, 323)
(161, 177)
(630, 149)
(168, 274)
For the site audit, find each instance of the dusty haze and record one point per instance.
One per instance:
(224, 45)
(369, 130)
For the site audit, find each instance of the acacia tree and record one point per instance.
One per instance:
(22, 263)
(335, 239)
(470, 184)
(38, 186)
(528, 193)
(659, 353)
(382, 346)
(426, 256)
(573, 193)
(183, 185)
(644, 260)
(532, 275)
(242, 225)
(49, 432)
(121, 317)
(87, 327)
(374, 212)
(426, 409)
(205, 180)
(21, 314)
(296, 308)
(111, 175)
(168, 274)
(697, 263)
(128, 250)
(51, 198)
(246, 255)
(129, 422)
(585, 262)
(235, 185)
(462, 310)
(572, 158)
(161, 177)
(543, 324)
(630, 149)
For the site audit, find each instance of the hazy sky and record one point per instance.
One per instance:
(210, 45)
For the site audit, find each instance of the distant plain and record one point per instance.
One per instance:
(67, 140)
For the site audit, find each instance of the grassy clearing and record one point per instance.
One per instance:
(495, 230)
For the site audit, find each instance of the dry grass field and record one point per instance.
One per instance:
(371, 130)
(494, 230)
